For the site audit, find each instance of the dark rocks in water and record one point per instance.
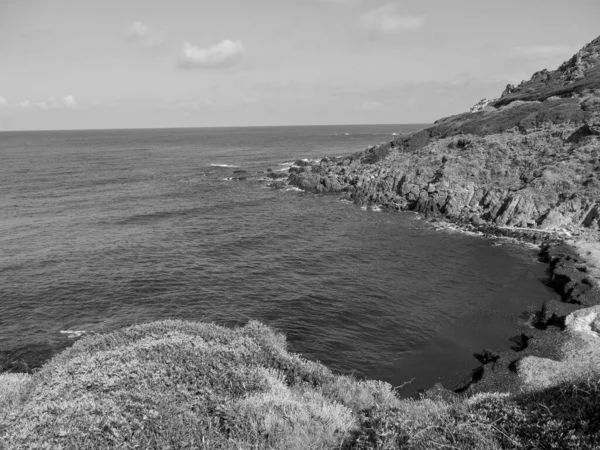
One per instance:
(239, 171)
(568, 276)
(276, 176)
(302, 163)
(486, 356)
(296, 169)
(239, 178)
(278, 184)
(553, 313)
(521, 342)
(269, 170)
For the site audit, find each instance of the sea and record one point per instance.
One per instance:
(110, 228)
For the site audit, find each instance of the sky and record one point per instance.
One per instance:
(79, 64)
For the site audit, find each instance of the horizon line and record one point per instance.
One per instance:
(213, 127)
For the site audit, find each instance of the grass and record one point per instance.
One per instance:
(176, 384)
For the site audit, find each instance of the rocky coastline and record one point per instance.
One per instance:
(525, 166)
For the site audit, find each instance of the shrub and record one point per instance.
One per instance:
(183, 385)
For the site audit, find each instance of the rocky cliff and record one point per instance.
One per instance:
(530, 159)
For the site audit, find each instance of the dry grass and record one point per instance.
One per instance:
(178, 385)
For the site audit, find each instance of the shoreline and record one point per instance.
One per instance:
(573, 272)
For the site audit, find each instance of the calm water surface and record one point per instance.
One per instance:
(102, 229)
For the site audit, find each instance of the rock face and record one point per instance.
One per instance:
(530, 159)
(579, 355)
(480, 105)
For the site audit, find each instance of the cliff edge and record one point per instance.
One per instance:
(529, 159)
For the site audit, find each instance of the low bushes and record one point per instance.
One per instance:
(178, 384)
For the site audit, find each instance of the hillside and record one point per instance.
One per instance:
(183, 385)
(529, 159)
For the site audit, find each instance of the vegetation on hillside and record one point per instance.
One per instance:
(176, 384)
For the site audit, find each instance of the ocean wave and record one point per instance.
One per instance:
(223, 165)
(73, 334)
(376, 208)
(293, 188)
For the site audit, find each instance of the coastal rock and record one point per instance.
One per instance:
(585, 320)
(276, 175)
(579, 354)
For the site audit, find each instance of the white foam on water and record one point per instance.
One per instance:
(293, 188)
(364, 208)
(289, 163)
(73, 334)
(376, 208)
(345, 200)
(223, 165)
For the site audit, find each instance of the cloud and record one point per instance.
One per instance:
(387, 21)
(67, 102)
(140, 32)
(224, 54)
(544, 51)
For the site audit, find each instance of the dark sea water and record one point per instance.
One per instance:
(103, 229)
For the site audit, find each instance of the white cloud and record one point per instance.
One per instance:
(224, 54)
(544, 51)
(387, 21)
(140, 32)
(137, 30)
(69, 101)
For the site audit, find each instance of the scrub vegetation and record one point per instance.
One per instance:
(176, 384)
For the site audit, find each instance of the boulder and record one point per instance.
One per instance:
(579, 355)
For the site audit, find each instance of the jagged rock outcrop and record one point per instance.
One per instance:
(529, 160)
(480, 105)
